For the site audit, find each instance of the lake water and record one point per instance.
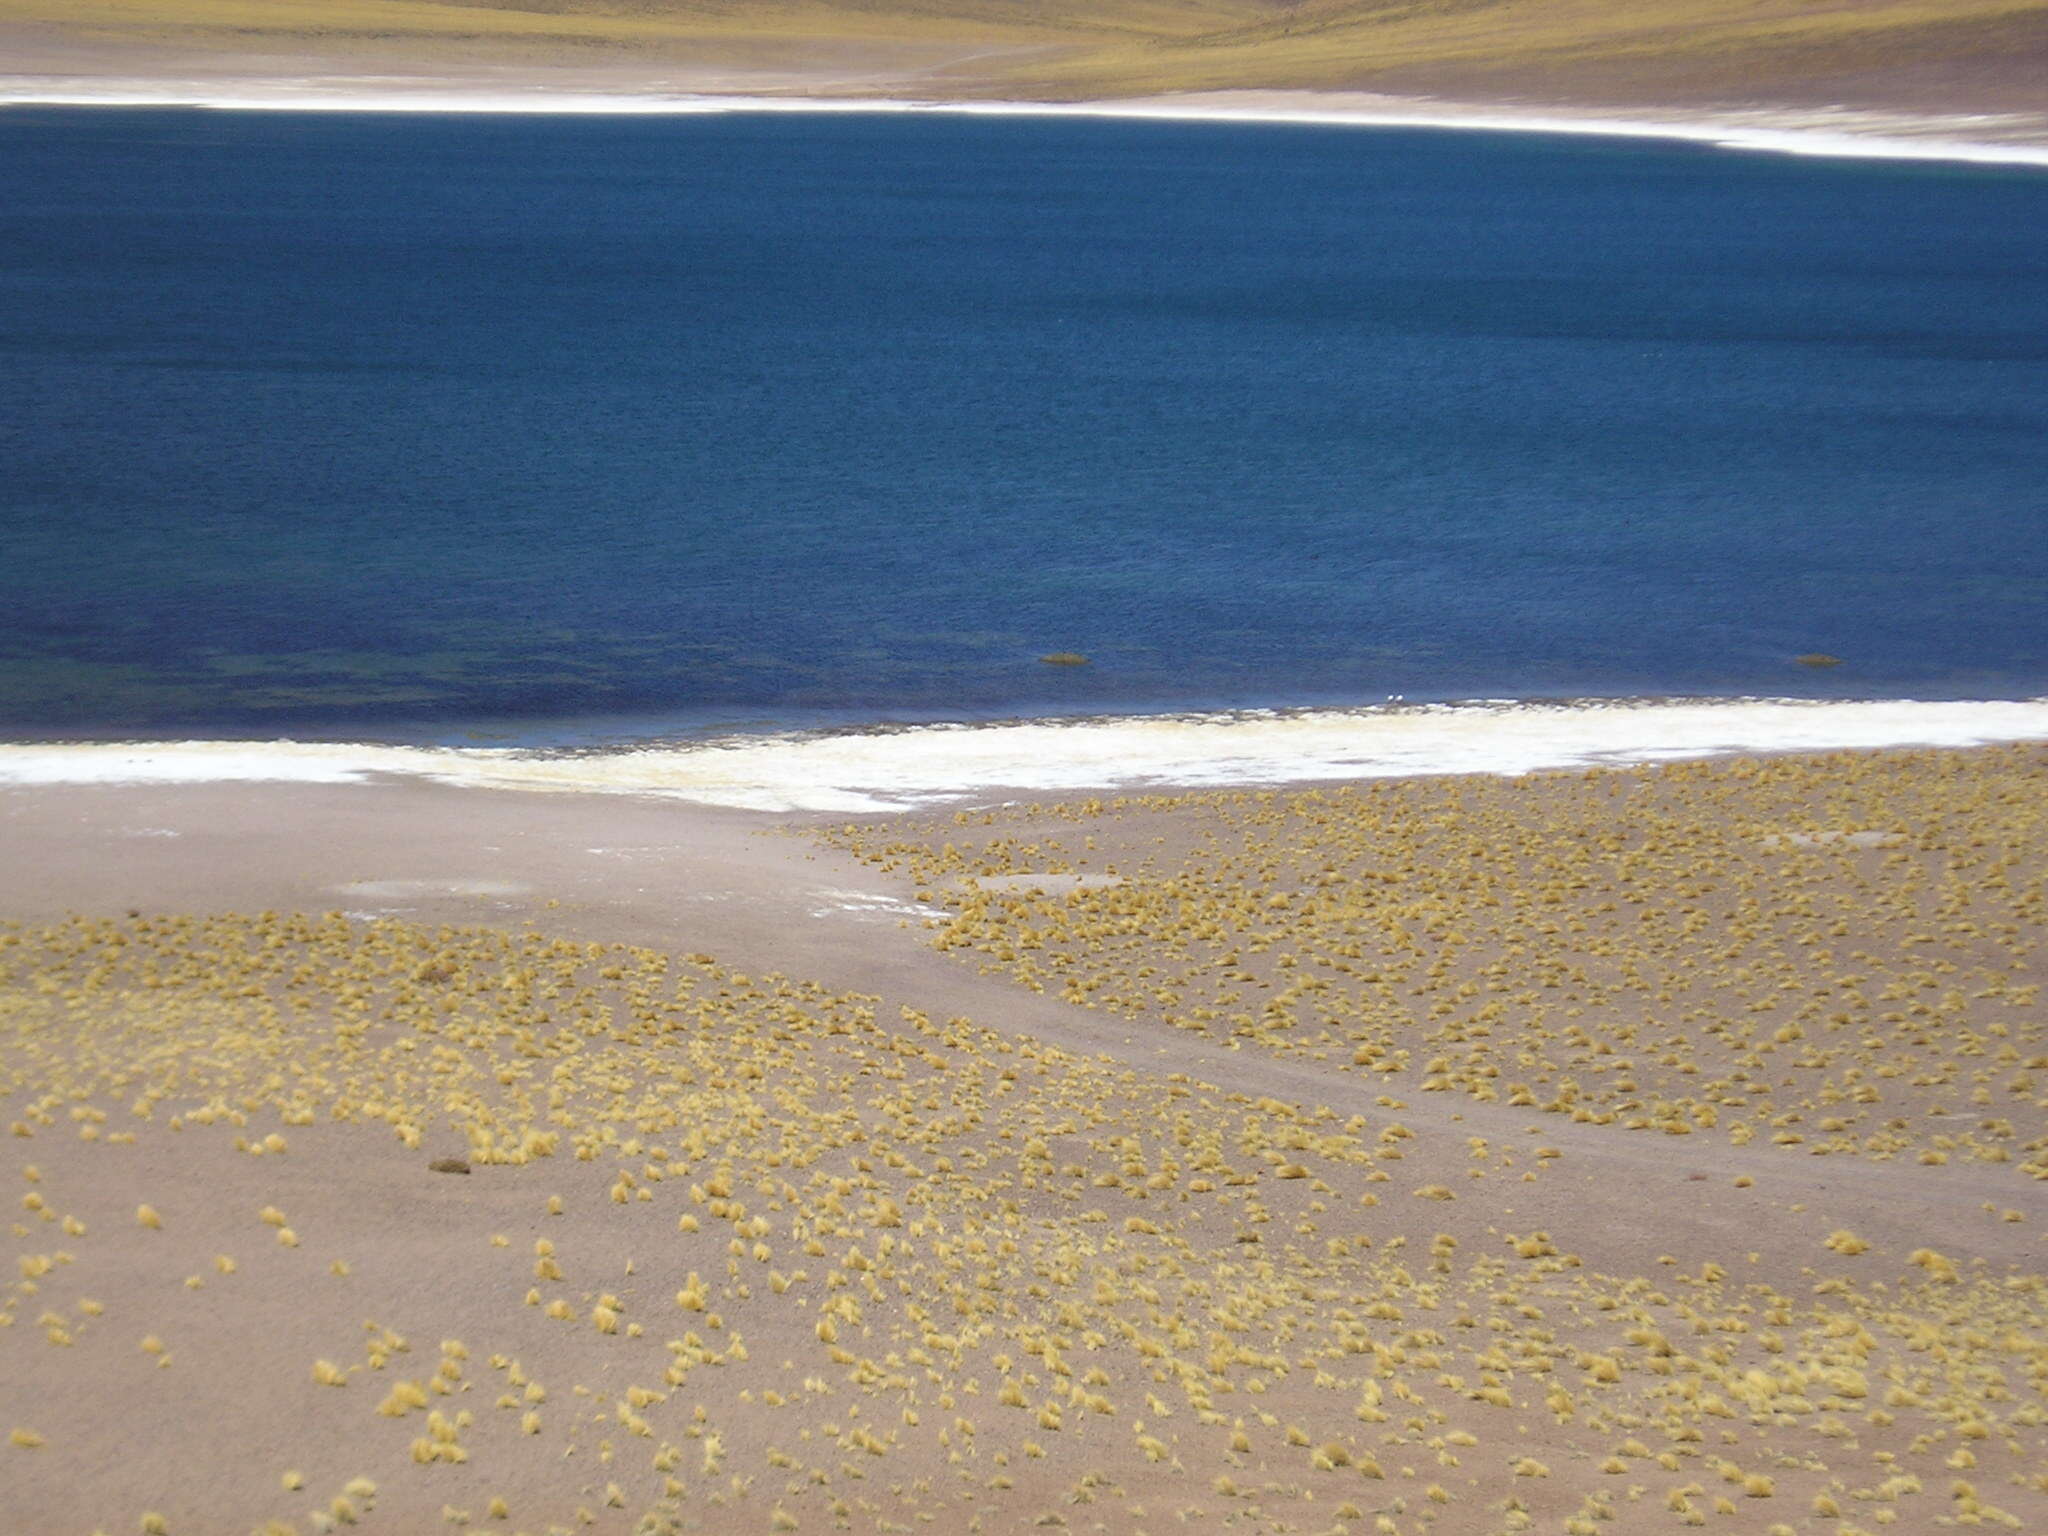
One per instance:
(575, 430)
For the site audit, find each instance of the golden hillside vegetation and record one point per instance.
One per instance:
(1668, 48)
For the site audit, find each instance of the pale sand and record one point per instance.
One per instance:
(206, 1439)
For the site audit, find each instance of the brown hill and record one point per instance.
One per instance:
(1946, 54)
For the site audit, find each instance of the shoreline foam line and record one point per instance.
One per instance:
(1843, 133)
(872, 772)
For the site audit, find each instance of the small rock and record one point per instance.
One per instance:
(449, 1165)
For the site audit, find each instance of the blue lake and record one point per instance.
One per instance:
(568, 429)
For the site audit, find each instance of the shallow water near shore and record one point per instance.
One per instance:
(589, 431)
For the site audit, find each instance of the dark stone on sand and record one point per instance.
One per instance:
(449, 1165)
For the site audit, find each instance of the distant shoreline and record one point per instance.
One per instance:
(1980, 138)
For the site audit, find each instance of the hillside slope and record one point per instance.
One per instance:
(1949, 54)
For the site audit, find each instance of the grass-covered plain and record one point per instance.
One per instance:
(1457, 1172)
(1835, 955)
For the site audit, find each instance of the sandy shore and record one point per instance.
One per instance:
(1995, 137)
(893, 768)
(1302, 1161)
